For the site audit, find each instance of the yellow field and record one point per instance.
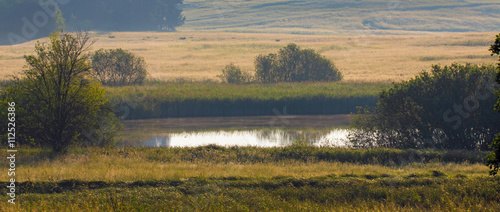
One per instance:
(93, 164)
(126, 170)
(360, 57)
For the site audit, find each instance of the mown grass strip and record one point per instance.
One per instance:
(290, 194)
(238, 182)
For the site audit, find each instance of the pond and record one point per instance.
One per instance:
(261, 131)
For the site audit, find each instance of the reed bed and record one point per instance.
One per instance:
(165, 100)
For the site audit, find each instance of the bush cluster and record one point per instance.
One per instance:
(118, 67)
(234, 75)
(293, 64)
(290, 64)
(449, 107)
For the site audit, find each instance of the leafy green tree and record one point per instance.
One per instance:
(118, 67)
(494, 157)
(60, 21)
(448, 107)
(57, 100)
(233, 74)
(168, 15)
(265, 68)
(293, 64)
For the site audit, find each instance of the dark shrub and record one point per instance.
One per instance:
(293, 64)
(233, 74)
(449, 107)
(118, 67)
(494, 157)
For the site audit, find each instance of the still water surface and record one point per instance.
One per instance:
(258, 138)
(242, 131)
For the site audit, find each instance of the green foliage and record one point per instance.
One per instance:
(57, 101)
(118, 67)
(448, 107)
(264, 68)
(216, 99)
(292, 64)
(60, 21)
(232, 74)
(495, 49)
(494, 157)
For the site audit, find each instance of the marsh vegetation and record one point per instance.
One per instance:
(290, 73)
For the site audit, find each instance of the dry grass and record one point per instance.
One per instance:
(361, 57)
(142, 179)
(341, 16)
(140, 170)
(129, 164)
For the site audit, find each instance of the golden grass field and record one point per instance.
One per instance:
(215, 178)
(360, 57)
(86, 169)
(89, 164)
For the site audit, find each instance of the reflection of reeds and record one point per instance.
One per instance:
(296, 138)
(278, 137)
(157, 141)
(140, 130)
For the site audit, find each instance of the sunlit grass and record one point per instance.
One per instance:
(113, 170)
(290, 194)
(146, 164)
(215, 178)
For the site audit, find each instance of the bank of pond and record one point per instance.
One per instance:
(167, 100)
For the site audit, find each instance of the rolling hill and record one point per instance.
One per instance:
(342, 16)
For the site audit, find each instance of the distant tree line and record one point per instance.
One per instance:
(24, 20)
(124, 15)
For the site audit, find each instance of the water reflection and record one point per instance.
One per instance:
(237, 131)
(260, 138)
(157, 141)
